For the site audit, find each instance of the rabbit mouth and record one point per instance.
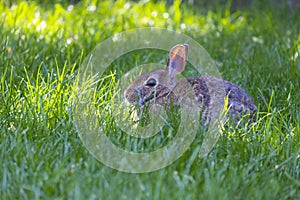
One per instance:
(147, 98)
(156, 96)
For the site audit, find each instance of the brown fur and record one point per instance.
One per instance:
(208, 92)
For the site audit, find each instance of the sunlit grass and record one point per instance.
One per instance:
(41, 49)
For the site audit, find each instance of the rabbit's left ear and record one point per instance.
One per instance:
(177, 59)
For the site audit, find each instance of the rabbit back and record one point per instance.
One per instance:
(211, 92)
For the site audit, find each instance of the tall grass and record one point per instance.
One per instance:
(42, 48)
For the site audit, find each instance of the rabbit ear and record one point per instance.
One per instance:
(177, 59)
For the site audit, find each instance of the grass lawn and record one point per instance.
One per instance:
(42, 48)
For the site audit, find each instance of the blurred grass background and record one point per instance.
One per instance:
(256, 44)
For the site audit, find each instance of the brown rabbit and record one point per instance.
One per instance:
(161, 87)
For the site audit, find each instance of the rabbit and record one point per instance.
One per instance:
(161, 87)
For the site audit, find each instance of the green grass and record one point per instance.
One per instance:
(42, 48)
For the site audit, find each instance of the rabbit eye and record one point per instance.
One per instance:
(151, 82)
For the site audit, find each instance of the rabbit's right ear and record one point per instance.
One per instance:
(177, 59)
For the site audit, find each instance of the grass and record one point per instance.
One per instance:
(42, 48)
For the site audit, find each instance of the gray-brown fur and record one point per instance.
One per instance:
(200, 88)
(208, 92)
(238, 100)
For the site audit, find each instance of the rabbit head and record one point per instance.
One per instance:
(156, 86)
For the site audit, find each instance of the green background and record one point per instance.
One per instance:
(255, 45)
